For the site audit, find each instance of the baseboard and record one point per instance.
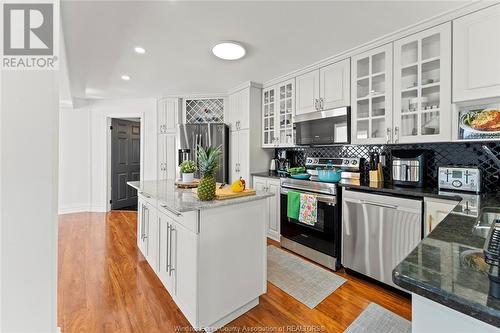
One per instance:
(73, 209)
(273, 235)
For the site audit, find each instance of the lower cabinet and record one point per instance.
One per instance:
(273, 221)
(435, 211)
(147, 235)
(177, 258)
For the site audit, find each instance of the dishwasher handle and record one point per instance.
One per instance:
(366, 202)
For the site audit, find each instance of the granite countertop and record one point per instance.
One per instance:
(448, 266)
(267, 174)
(389, 188)
(184, 200)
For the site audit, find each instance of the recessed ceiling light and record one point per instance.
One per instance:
(125, 77)
(229, 50)
(139, 50)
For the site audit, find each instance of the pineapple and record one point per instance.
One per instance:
(208, 162)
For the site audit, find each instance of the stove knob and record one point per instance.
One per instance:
(354, 162)
(346, 162)
(316, 160)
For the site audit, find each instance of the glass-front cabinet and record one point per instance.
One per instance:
(422, 86)
(371, 93)
(268, 117)
(277, 115)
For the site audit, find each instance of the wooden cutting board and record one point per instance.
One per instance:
(227, 193)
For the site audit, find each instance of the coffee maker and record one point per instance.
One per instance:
(287, 159)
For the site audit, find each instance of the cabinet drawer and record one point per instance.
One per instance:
(187, 219)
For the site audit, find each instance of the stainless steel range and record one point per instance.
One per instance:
(320, 242)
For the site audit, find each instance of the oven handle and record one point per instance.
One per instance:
(330, 200)
(298, 187)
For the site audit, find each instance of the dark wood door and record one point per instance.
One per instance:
(125, 161)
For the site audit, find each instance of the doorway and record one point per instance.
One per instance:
(125, 162)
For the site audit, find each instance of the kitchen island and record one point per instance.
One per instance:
(211, 256)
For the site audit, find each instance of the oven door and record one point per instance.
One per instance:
(324, 236)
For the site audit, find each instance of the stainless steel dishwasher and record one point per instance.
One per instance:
(378, 232)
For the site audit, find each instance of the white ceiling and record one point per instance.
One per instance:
(280, 36)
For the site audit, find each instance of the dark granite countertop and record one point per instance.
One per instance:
(389, 188)
(448, 266)
(267, 174)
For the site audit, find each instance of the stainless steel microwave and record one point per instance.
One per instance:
(323, 128)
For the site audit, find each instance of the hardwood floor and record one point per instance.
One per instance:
(106, 285)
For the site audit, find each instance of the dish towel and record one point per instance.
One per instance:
(293, 205)
(308, 213)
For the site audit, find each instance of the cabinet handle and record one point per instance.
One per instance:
(388, 134)
(170, 268)
(396, 134)
(316, 103)
(321, 103)
(430, 223)
(173, 211)
(167, 257)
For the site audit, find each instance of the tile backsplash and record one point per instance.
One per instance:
(437, 154)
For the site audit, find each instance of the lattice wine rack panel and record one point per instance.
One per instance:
(204, 110)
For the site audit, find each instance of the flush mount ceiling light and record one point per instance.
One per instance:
(139, 50)
(229, 50)
(125, 78)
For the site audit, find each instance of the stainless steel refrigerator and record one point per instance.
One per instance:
(191, 136)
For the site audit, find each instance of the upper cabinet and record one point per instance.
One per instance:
(422, 86)
(307, 95)
(278, 105)
(334, 87)
(238, 115)
(371, 85)
(324, 88)
(168, 114)
(476, 55)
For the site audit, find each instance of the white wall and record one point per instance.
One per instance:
(83, 151)
(100, 113)
(74, 160)
(28, 201)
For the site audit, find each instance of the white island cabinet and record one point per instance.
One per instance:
(210, 256)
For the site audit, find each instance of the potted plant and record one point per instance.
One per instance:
(188, 169)
(208, 161)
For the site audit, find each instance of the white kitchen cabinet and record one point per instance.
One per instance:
(245, 117)
(168, 114)
(435, 211)
(278, 106)
(371, 103)
(147, 232)
(271, 185)
(239, 114)
(164, 253)
(334, 85)
(476, 54)
(307, 94)
(422, 86)
(323, 89)
(167, 156)
(240, 156)
(184, 265)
